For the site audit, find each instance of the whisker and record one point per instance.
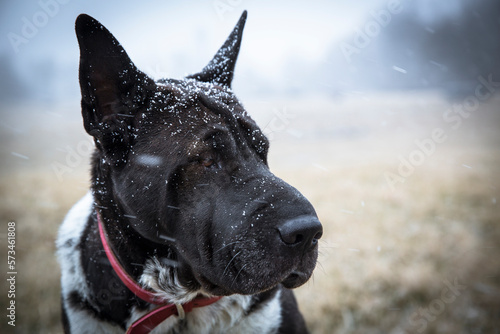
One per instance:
(261, 201)
(238, 273)
(167, 238)
(321, 266)
(137, 264)
(227, 266)
(169, 262)
(229, 244)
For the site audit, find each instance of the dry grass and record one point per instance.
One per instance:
(384, 255)
(31, 200)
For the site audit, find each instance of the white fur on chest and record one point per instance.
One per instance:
(227, 315)
(72, 275)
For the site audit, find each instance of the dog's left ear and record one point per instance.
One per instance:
(113, 89)
(221, 68)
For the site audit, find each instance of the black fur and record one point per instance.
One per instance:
(180, 174)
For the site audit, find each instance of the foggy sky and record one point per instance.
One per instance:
(288, 47)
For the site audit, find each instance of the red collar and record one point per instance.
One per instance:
(153, 318)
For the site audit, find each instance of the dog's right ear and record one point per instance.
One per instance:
(220, 69)
(113, 89)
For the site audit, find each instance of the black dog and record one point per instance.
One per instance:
(185, 229)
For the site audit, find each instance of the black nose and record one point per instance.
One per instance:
(301, 232)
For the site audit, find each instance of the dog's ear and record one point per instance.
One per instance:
(113, 89)
(221, 68)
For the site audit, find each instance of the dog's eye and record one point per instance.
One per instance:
(207, 162)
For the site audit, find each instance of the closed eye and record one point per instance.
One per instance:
(207, 162)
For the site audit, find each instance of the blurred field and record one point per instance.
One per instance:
(387, 255)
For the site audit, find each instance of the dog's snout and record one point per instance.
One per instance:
(301, 232)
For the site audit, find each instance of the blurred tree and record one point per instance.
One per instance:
(427, 45)
(11, 87)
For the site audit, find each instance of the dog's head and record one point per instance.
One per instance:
(182, 165)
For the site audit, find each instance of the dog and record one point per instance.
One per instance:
(185, 229)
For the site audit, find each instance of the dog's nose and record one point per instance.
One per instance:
(301, 232)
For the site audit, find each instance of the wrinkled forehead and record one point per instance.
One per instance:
(189, 91)
(189, 108)
(203, 99)
(186, 116)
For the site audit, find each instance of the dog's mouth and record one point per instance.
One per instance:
(292, 281)
(249, 282)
